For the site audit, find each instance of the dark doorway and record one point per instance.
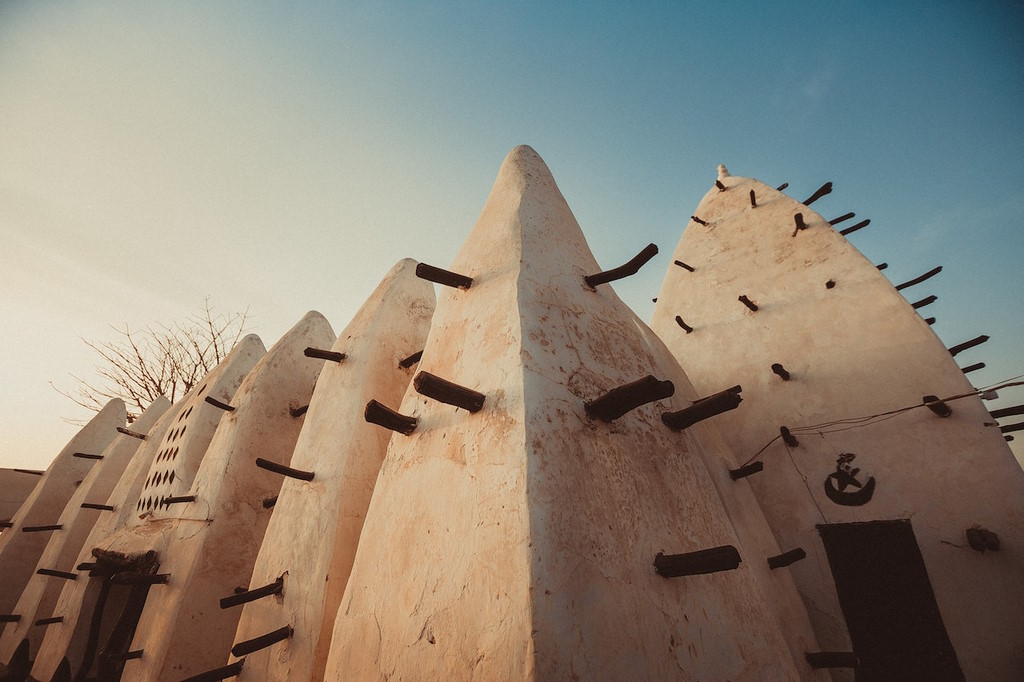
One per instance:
(120, 584)
(887, 599)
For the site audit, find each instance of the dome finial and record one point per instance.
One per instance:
(723, 172)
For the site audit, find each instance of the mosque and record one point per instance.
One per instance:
(497, 471)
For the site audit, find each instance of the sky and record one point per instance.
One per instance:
(281, 157)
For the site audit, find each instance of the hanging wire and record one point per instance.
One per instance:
(857, 422)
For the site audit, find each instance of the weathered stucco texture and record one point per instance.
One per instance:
(181, 437)
(854, 348)
(40, 594)
(518, 542)
(68, 638)
(20, 551)
(208, 546)
(315, 527)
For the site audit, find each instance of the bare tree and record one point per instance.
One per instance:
(164, 360)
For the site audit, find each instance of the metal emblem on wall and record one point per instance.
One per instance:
(844, 478)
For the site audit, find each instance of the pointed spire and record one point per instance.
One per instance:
(723, 172)
(518, 465)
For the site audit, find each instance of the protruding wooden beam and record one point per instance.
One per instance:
(133, 434)
(252, 595)
(57, 574)
(753, 199)
(703, 408)
(284, 470)
(787, 437)
(321, 354)
(683, 265)
(625, 270)
(445, 277)
(269, 502)
(842, 218)
(1011, 428)
(976, 341)
(99, 507)
(216, 403)
(217, 674)
(982, 539)
(798, 220)
(687, 328)
(1008, 438)
(33, 472)
(127, 578)
(86, 566)
(818, 193)
(832, 659)
(972, 368)
(929, 321)
(261, 642)
(50, 620)
(854, 228)
(927, 300)
(781, 371)
(744, 471)
(939, 407)
(181, 499)
(882, 266)
(378, 414)
(447, 392)
(111, 562)
(86, 455)
(41, 529)
(1007, 411)
(622, 399)
(786, 558)
(697, 220)
(298, 411)
(720, 186)
(747, 302)
(782, 186)
(724, 558)
(411, 360)
(9, 618)
(6, 524)
(126, 656)
(917, 280)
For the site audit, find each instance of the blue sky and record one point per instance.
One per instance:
(282, 157)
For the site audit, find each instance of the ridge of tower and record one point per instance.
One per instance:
(41, 592)
(316, 525)
(19, 551)
(227, 490)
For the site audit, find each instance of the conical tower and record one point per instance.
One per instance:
(512, 533)
(69, 637)
(879, 459)
(23, 542)
(208, 542)
(100, 610)
(57, 563)
(312, 536)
